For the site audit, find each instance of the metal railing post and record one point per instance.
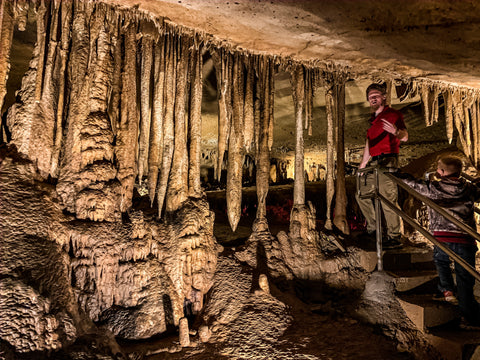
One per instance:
(378, 223)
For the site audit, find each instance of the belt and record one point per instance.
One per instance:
(384, 156)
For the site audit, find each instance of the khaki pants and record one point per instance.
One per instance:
(389, 190)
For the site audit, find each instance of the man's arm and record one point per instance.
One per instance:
(401, 134)
(366, 156)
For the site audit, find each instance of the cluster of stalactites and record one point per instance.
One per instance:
(245, 90)
(111, 98)
(462, 111)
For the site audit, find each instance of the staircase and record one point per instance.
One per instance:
(416, 281)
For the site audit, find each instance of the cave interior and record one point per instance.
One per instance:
(178, 177)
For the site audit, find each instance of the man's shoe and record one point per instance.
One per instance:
(392, 243)
(449, 297)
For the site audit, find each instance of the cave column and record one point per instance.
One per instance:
(302, 218)
(330, 179)
(340, 220)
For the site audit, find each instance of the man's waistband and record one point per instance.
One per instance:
(383, 156)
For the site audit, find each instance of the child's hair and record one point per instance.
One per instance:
(454, 164)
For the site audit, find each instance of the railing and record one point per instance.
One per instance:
(378, 197)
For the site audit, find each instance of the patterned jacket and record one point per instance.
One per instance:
(455, 194)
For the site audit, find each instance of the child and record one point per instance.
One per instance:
(454, 193)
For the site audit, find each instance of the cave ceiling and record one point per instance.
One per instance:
(433, 39)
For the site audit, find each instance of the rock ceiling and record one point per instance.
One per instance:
(434, 39)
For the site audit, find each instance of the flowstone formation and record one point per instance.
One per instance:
(60, 274)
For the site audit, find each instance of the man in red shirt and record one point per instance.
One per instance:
(387, 130)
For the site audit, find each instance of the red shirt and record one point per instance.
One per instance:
(379, 141)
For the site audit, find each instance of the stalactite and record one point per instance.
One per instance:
(115, 91)
(475, 144)
(298, 100)
(447, 98)
(169, 125)
(262, 157)
(429, 95)
(330, 184)
(271, 94)
(66, 19)
(459, 118)
(158, 107)
(48, 92)
(477, 132)
(434, 93)
(248, 115)
(195, 120)
(388, 99)
(223, 68)
(425, 96)
(6, 35)
(340, 220)
(127, 134)
(145, 105)
(309, 92)
(177, 190)
(235, 148)
(20, 11)
(41, 43)
(467, 103)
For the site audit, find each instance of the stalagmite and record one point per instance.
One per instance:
(447, 98)
(330, 184)
(235, 148)
(177, 190)
(66, 19)
(340, 220)
(195, 120)
(145, 105)
(248, 115)
(223, 69)
(127, 134)
(184, 336)
(298, 100)
(156, 136)
(169, 126)
(6, 35)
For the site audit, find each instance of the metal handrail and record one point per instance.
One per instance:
(445, 213)
(413, 222)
